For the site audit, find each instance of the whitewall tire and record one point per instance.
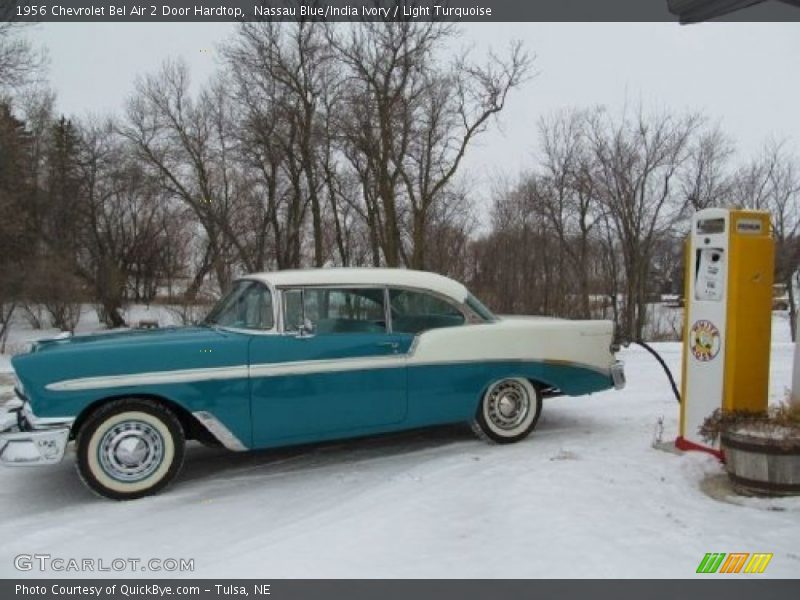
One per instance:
(508, 410)
(130, 448)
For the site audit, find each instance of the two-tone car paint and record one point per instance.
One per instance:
(257, 389)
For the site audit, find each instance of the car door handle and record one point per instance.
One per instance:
(393, 346)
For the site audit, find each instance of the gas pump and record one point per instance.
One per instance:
(728, 318)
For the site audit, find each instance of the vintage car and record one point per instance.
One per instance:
(295, 357)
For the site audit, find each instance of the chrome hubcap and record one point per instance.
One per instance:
(508, 404)
(131, 451)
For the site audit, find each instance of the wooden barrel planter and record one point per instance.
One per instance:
(764, 462)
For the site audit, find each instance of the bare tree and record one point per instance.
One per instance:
(17, 236)
(568, 195)
(707, 179)
(20, 62)
(280, 73)
(411, 121)
(772, 182)
(127, 222)
(284, 72)
(52, 284)
(449, 110)
(638, 162)
(190, 147)
(383, 61)
(518, 266)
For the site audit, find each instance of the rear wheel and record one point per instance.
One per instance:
(508, 411)
(130, 448)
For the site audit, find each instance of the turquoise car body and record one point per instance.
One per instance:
(296, 357)
(275, 390)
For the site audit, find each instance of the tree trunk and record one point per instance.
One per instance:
(792, 307)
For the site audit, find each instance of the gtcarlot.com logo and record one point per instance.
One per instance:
(47, 562)
(735, 562)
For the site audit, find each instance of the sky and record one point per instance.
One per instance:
(743, 76)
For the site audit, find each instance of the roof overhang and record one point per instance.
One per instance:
(695, 11)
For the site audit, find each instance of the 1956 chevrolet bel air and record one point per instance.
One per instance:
(294, 357)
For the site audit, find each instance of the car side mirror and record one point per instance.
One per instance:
(306, 329)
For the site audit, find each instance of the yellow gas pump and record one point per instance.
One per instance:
(728, 317)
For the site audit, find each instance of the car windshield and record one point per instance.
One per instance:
(247, 306)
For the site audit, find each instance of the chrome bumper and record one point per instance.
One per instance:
(26, 440)
(618, 374)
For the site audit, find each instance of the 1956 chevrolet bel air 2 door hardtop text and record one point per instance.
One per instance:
(295, 357)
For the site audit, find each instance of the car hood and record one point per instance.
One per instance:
(128, 352)
(128, 338)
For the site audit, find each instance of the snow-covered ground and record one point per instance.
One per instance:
(585, 496)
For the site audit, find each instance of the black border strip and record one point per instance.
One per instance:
(468, 10)
(706, 586)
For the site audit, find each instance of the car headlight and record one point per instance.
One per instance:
(18, 387)
(13, 401)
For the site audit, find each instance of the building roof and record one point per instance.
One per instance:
(695, 11)
(366, 276)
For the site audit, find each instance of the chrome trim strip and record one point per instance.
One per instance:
(387, 310)
(544, 361)
(219, 431)
(304, 367)
(280, 369)
(272, 331)
(152, 378)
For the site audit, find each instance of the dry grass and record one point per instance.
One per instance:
(781, 422)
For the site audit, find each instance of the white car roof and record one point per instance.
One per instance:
(423, 280)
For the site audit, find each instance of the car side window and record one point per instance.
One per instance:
(292, 310)
(335, 310)
(415, 312)
(247, 306)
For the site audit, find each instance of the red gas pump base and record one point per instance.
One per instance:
(683, 444)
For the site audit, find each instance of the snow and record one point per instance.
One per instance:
(586, 495)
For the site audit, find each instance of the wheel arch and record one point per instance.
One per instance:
(544, 388)
(193, 429)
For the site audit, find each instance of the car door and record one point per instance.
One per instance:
(334, 370)
(442, 391)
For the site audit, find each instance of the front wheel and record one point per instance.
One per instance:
(130, 448)
(508, 411)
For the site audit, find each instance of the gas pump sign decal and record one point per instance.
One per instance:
(704, 340)
(748, 226)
